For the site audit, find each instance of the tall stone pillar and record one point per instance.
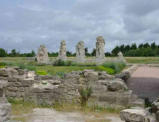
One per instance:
(121, 57)
(100, 53)
(62, 51)
(42, 55)
(80, 52)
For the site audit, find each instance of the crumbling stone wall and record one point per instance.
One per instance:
(5, 107)
(107, 89)
(19, 81)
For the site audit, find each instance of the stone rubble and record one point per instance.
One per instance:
(135, 115)
(5, 107)
(107, 89)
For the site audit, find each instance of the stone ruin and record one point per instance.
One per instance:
(42, 55)
(100, 53)
(107, 89)
(80, 52)
(5, 107)
(62, 51)
(121, 57)
(135, 115)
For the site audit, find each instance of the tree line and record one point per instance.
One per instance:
(145, 49)
(133, 50)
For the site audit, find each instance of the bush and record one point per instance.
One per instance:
(107, 69)
(28, 67)
(41, 72)
(85, 94)
(60, 62)
(3, 53)
(2, 64)
(116, 66)
(60, 74)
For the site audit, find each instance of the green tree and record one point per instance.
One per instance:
(93, 52)
(13, 53)
(153, 45)
(3, 53)
(141, 46)
(115, 51)
(146, 45)
(86, 52)
(133, 47)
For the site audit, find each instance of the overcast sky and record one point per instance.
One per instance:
(25, 24)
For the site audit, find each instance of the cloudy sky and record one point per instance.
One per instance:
(25, 24)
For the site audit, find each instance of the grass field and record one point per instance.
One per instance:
(30, 64)
(143, 60)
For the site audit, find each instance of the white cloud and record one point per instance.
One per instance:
(27, 24)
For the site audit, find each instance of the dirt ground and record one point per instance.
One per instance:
(145, 82)
(50, 115)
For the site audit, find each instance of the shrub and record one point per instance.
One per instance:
(3, 53)
(107, 69)
(10, 64)
(3, 64)
(85, 94)
(116, 66)
(41, 72)
(60, 74)
(60, 62)
(23, 66)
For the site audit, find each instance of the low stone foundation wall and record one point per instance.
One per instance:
(107, 89)
(5, 107)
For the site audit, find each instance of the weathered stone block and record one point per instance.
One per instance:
(105, 76)
(90, 75)
(5, 111)
(117, 85)
(134, 115)
(14, 89)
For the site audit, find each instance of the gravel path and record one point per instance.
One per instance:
(50, 115)
(145, 82)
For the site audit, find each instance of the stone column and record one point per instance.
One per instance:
(62, 51)
(80, 52)
(121, 57)
(100, 53)
(42, 55)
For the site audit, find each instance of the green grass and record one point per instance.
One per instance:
(61, 68)
(107, 69)
(143, 60)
